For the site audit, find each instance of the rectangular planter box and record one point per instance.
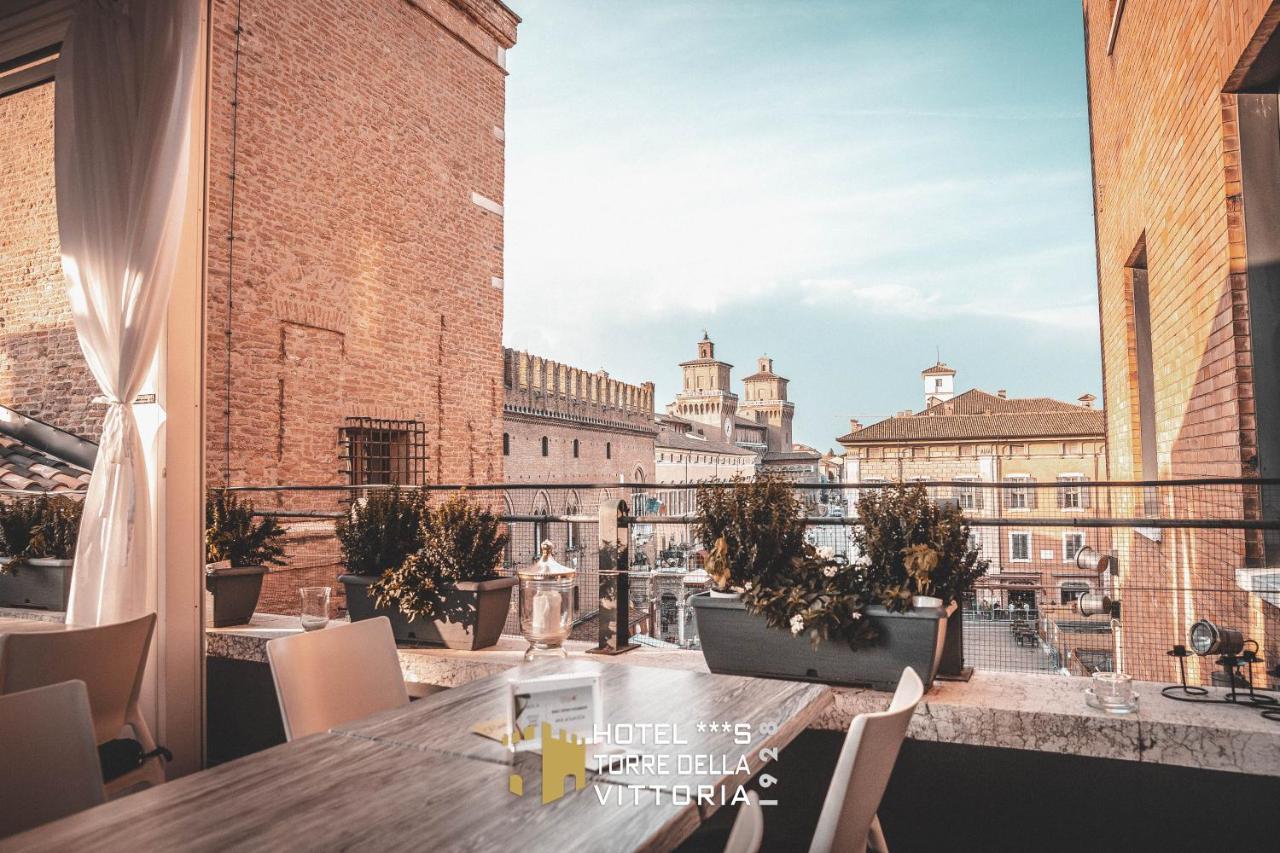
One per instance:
(482, 605)
(40, 583)
(734, 642)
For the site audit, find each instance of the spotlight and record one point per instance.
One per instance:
(1094, 603)
(1206, 638)
(1091, 560)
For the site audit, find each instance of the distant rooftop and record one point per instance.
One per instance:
(975, 414)
(26, 469)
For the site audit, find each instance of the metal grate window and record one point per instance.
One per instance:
(379, 452)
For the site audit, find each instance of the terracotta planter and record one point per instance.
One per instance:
(235, 593)
(42, 583)
(477, 610)
(734, 642)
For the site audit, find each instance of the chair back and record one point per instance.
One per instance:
(748, 827)
(862, 772)
(109, 659)
(49, 756)
(336, 675)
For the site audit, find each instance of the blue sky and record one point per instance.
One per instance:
(845, 186)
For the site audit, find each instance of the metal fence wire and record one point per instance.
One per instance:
(1183, 550)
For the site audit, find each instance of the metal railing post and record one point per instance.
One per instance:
(614, 615)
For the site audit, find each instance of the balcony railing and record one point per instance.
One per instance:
(1184, 550)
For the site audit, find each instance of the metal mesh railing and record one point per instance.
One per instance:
(1184, 550)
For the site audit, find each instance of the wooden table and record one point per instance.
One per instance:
(418, 778)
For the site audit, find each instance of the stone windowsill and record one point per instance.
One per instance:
(994, 709)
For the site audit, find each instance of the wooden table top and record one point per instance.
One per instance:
(775, 711)
(418, 778)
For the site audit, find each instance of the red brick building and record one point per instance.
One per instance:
(355, 230)
(1186, 154)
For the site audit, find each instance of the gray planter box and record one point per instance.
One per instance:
(734, 642)
(477, 612)
(42, 583)
(235, 594)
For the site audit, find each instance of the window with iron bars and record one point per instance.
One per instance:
(381, 452)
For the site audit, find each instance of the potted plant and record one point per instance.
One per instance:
(238, 551)
(376, 535)
(800, 613)
(449, 592)
(38, 546)
(919, 557)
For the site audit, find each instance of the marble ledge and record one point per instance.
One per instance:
(1044, 713)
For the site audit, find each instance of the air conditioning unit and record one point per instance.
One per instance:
(1264, 583)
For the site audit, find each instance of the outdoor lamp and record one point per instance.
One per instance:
(1094, 603)
(1091, 560)
(1206, 638)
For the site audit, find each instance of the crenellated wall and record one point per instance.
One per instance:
(535, 385)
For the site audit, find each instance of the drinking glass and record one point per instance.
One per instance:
(315, 607)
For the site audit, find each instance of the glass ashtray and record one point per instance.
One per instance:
(1115, 708)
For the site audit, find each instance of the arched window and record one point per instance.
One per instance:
(506, 444)
(546, 446)
(575, 448)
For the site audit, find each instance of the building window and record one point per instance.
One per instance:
(1019, 498)
(1071, 590)
(1072, 494)
(506, 444)
(1020, 547)
(608, 450)
(969, 497)
(575, 448)
(1071, 545)
(1142, 392)
(546, 446)
(378, 452)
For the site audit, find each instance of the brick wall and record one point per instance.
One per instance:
(361, 270)
(42, 371)
(1167, 174)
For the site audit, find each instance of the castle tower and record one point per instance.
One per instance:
(939, 384)
(766, 402)
(706, 396)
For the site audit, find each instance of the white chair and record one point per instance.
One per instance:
(848, 821)
(345, 672)
(49, 756)
(748, 827)
(110, 660)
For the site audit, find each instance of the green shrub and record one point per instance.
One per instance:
(755, 535)
(911, 546)
(57, 528)
(381, 531)
(231, 533)
(461, 541)
(17, 520)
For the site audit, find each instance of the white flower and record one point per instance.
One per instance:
(797, 624)
(856, 616)
(826, 552)
(830, 571)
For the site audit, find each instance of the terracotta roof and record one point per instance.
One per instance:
(699, 443)
(26, 469)
(747, 422)
(978, 415)
(938, 369)
(764, 375)
(779, 455)
(978, 402)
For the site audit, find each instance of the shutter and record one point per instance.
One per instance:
(1061, 491)
(1032, 496)
(1084, 493)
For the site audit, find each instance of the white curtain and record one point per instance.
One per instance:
(121, 124)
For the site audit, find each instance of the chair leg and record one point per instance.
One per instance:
(875, 837)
